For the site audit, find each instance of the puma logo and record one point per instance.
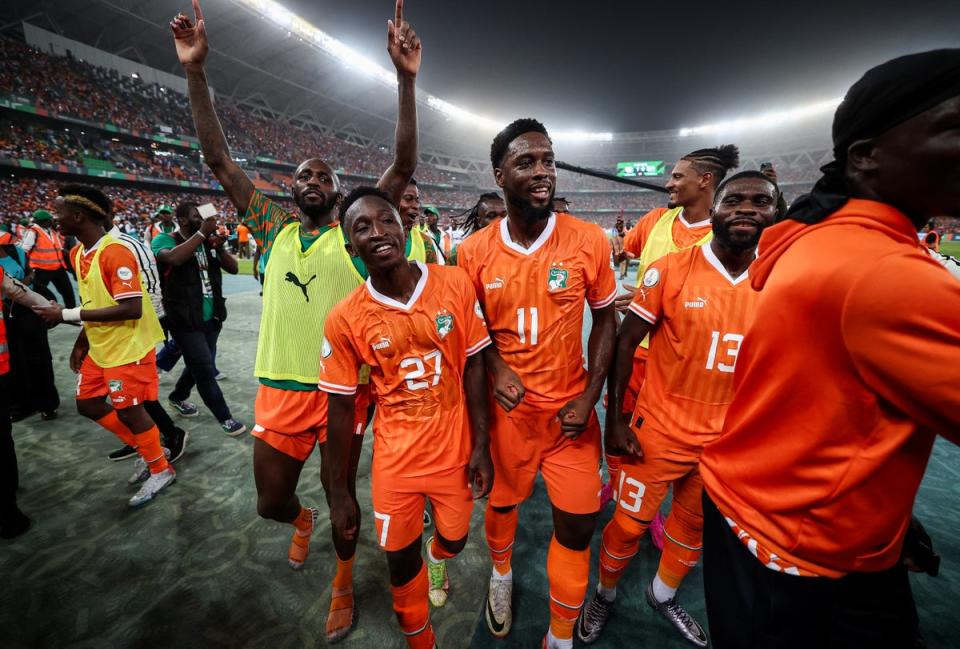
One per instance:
(293, 279)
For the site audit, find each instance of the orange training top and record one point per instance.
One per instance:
(417, 353)
(851, 368)
(533, 299)
(700, 314)
(684, 234)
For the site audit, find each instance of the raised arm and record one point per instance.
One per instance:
(404, 47)
(192, 46)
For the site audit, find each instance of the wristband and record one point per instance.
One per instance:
(200, 234)
(71, 315)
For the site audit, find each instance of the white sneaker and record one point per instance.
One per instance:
(140, 469)
(499, 609)
(152, 486)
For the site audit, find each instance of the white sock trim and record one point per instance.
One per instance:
(499, 577)
(553, 642)
(609, 594)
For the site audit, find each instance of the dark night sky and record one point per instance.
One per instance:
(626, 66)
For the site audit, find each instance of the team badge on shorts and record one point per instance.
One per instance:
(557, 279)
(651, 278)
(444, 324)
(115, 385)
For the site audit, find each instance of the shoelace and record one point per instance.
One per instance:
(680, 614)
(436, 573)
(598, 611)
(501, 598)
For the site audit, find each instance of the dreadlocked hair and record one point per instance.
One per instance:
(469, 221)
(717, 161)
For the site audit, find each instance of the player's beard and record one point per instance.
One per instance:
(721, 231)
(533, 214)
(317, 210)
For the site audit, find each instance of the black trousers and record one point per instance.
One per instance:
(32, 385)
(9, 475)
(199, 348)
(752, 606)
(60, 280)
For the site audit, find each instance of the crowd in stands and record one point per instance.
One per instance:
(101, 95)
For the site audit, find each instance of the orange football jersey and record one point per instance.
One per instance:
(700, 314)
(533, 299)
(417, 353)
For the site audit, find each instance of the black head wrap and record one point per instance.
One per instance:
(884, 97)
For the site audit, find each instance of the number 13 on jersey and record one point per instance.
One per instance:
(727, 347)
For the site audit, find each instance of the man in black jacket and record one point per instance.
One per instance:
(190, 261)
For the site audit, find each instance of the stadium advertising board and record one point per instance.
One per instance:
(642, 168)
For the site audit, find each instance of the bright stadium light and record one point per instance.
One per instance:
(342, 52)
(766, 120)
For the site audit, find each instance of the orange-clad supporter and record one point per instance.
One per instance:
(696, 306)
(533, 271)
(307, 271)
(120, 331)
(44, 248)
(243, 240)
(847, 376)
(420, 330)
(684, 223)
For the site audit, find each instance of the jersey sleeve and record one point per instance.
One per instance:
(265, 219)
(637, 235)
(647, 302)
(162, 242)
(908, 349)
(120, 273)
(601, 282)
(339, 363)
(478, 337)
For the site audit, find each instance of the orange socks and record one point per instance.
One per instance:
(148, 446)
(437, 552)
(340, 616)
(567, 573)
(304, 520)
(413, 612)
(501, 531)
(112, 423)
(682, 544)
(617, 548)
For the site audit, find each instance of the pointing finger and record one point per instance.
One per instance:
(198, 14)
(398, 15)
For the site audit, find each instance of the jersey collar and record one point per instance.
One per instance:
(542, 239)
(698, 224)
(397, 304)
(714, 261)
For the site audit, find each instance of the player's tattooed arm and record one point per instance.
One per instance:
(508, 390)
(475, 387)
(343, 507)
(405, 50)
(192, 47)
(618, 438)
(575, 415)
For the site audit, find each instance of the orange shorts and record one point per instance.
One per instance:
(295, 422)
(644, 482)
(398, 505)
(528, 439)
(127, 385)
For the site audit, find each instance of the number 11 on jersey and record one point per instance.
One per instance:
(522, 323)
